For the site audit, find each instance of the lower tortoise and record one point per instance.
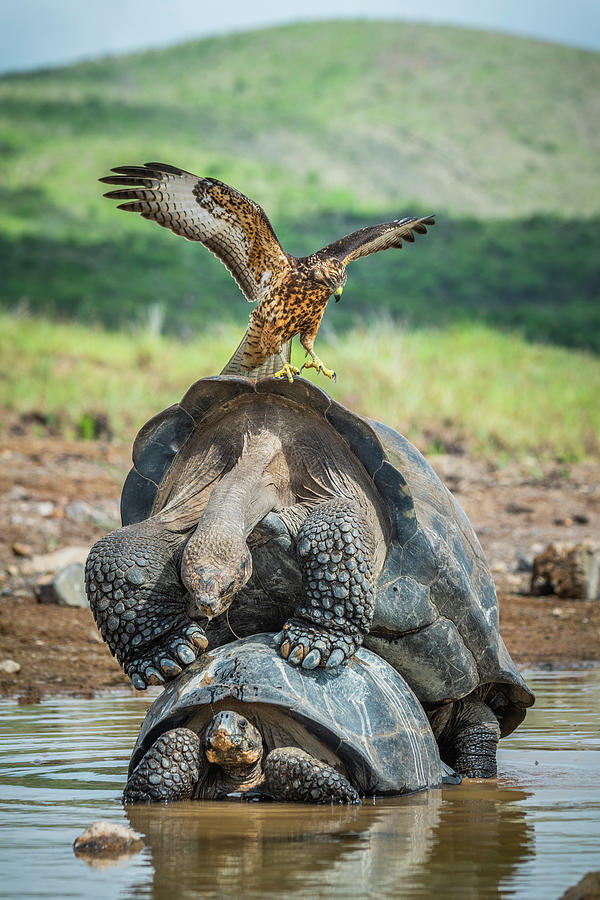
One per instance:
(240, 720)
(323, 525)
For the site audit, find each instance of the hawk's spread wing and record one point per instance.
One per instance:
(232, 226)
(375, 238)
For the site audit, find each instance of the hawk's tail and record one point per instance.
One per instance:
(269, 367)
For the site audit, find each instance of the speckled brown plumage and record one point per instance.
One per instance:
(292, 292)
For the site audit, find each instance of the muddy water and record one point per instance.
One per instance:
(532, 834)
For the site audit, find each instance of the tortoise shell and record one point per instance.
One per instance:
(436, 611)
(362, 718)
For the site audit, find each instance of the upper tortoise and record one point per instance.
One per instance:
(292, 292)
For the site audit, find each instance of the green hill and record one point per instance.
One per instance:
(329, 126)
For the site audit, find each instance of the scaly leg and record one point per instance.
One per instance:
(307, 341)
(469, 737)
(335, 546)
(139, 602)
(292, 774)
(168, 771)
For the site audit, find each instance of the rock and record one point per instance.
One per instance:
(67, 588)
(17, 492)
(54, 562)
(523, 562)
(44, 509)
(107, 839)
(9, 667)
(586, 889)
(567, 570)
(21, 549)
(81, 511)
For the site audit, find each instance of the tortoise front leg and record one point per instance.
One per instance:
(292, 774)
(140, 604)
(335, 545)
(168, 771)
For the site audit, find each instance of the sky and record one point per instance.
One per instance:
(38, 33)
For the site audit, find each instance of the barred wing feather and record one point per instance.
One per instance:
(229, 224)
(375, 238)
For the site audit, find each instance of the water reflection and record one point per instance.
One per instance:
(409, 844)
(533, 834)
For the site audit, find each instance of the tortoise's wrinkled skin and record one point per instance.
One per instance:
(241, 719)
(352, 538)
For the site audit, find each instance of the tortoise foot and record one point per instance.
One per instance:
(335, 547)
(292, 774)
(474, 753)
(169, 770)
(468, 738)
(140, 604)
(310, 646)
(166, 657)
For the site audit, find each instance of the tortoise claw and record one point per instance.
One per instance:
(153, 676)
(337, 657)
(311, 660)
(138, 682)
(185, 654)
(297, 655)
(169, 667)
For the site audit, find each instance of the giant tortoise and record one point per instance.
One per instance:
(239, 719)
(324, 524)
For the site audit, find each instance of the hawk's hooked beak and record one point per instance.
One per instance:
(338, 293)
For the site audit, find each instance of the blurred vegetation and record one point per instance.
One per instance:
(493, 392)
(330, 126)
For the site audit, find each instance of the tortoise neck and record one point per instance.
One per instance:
(242, 778)
(246, 493)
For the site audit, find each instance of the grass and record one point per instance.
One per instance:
(496, 392)
(330, 126)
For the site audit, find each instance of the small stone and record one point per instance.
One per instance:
(56, 561)
(66, 588)
(44, 509)
(9, 667)
(21, 549)
(108, 839)
(80, 511)
(524, 562)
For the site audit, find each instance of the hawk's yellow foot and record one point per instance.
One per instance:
(315, 363)
(288, 372)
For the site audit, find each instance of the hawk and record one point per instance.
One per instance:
(291, 292)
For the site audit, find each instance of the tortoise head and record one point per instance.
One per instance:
(231, 741)
(214, 567)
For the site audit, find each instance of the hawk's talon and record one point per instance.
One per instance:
(316, 363)
(288, 372)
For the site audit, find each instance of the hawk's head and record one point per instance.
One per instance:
(331, 273)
